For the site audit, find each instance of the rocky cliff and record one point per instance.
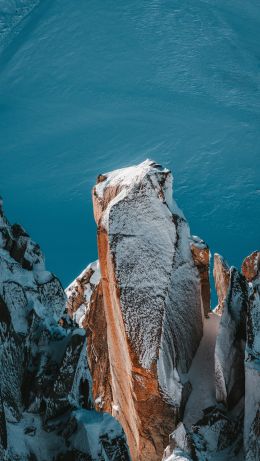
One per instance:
(136, 339)
(155, 287)
(162, 359)
(46, 405)
(251, 270)
(230, 427)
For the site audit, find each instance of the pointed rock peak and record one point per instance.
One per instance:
(146, 178)
(152, 301)
(221, 272)
(251, 266)
(79, 292)
(128, 176)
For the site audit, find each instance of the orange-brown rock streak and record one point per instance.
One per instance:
(147, 275)
(137, 401)
(97, 352)
(201, 255)
(221, 274)
(251, 266)
(120, 362)
(94, 322)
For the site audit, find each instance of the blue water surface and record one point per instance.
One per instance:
(90, 86)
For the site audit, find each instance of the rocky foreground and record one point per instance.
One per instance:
(136, 339)
(46, 404)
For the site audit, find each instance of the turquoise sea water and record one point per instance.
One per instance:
(90, 86)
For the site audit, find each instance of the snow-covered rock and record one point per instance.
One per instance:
(251, 270)
(85, 305)
(80, 291)
(202, 374)
(141, 312)
(230, 343)
(216, 436)
(46, 404)
(152, 301)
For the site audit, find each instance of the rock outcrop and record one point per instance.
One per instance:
(201, 255)
(85, 304)
(142, 306)
(217, 435)
(251, 271)
(221, 272)
(251, 266)
(152, 301)
(230, 343)
(136, 339)
(46, 406)
(230, 429)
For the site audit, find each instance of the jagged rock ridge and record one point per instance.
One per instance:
(230, 430)
(151, 340)
(140, 254)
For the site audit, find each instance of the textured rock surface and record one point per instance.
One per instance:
(252, 361)
(216, 436)
(230, 343)
(251, 266)
(85, 305)
(221, 272)
(46, 407)
(229, 430)
(152, 300)
(201, 255)
(140, 310)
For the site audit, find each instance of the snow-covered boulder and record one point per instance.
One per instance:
(152, 301)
